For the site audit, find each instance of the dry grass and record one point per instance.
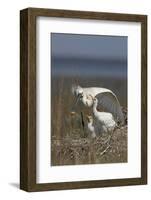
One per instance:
(109, 148)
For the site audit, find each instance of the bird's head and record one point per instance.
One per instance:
(72, 113)
(76, 90)
(80, 95)
(89, 118)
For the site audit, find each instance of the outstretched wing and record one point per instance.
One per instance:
(109, 102)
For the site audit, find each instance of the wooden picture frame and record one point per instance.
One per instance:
(28, 98)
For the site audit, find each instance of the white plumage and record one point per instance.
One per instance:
(107, 100)
(104, 120)
(90, 126)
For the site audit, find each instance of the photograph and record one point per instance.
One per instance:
(89, 99)
(83, 99)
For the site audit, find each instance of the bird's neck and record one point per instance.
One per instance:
(94, 108)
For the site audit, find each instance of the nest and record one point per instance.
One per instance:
(108, 148)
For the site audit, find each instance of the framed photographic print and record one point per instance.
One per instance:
(83, 99)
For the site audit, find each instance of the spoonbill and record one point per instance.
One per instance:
(104, 120)
(107, 100)
(90, 126)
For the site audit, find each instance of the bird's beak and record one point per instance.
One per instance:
(76, 101)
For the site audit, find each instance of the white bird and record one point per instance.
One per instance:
(104, 120)
(107, 100)
(90, 126)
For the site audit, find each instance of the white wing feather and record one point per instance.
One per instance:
(109, 102)
(95, 90)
